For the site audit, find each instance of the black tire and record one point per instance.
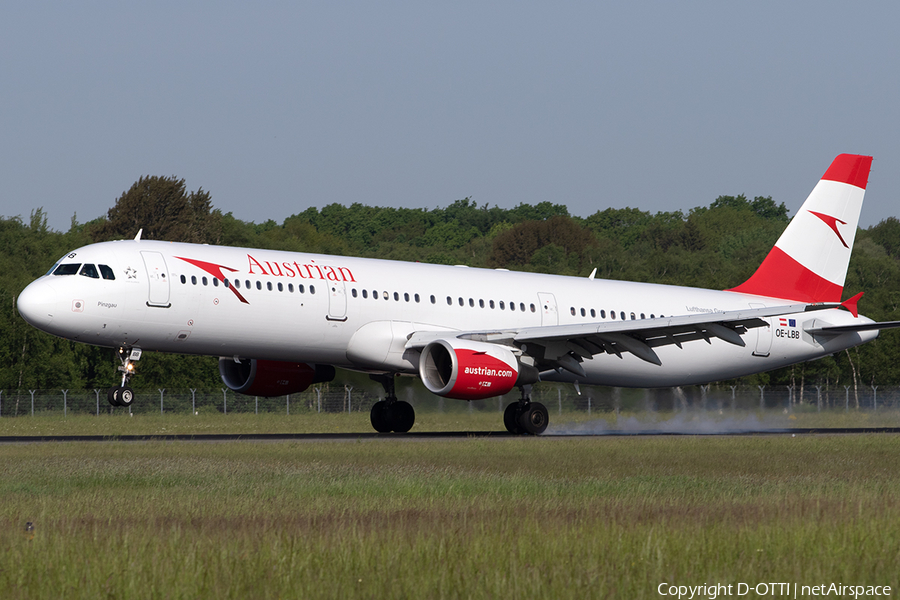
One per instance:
(112, 396)
(402, 416)
(126, 396)
(511, 418)
(379, 417)
(534, 419)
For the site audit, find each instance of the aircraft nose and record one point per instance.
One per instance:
(37, 303)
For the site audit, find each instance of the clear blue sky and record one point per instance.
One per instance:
(277, 106)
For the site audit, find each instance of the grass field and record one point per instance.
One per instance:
(461, 518)
(569, 421)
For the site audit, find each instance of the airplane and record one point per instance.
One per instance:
(282, 321)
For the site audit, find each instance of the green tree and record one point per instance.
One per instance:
(163, 208)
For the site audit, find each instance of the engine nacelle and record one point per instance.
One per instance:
(469, 370)
(256, 377)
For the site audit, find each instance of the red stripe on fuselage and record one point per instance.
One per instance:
(216, 271)
(780, 276)
(850, 168)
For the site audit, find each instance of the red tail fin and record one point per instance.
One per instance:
(809, 261)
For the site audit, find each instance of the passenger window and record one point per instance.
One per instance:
(193, 280)
(471, 303)
(312, 289)
(433, 299)
(69, 269)
(291, 289)
(280, 287)
(593, 314)
(237, 283)
(449, 301)
(247, 283)
(533, 308)
(89, 270)
(622, 314)
(481, 303)
(417, 298)
(205, 281)
(602, 314)
(522, 306)
(583, 313)
(259, 285)
(512, 306)
(642, 316)
(226, 283)
(365, 293)
(572, 310)
(107, 273)
(406, 296)
(396, 297)
(491, 303)
(353, 292)
(502, 305)
(461, 302)
(612, 314)
(302, 289)
(183, 279)
(269, 285)
(215, 282)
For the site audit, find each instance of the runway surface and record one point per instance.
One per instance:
(320, 437)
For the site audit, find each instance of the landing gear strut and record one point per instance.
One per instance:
(391, 414)
(123, 395)
(525, 416)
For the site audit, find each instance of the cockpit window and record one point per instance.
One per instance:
(106, 272)
(67, 269)
(89, 270)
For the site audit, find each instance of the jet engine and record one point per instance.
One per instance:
(256, 377)
(469, 370)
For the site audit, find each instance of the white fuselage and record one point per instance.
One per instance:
(357, 313)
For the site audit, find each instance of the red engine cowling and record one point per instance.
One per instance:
(256, 377)
(469, 370)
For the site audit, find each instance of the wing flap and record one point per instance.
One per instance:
(565, 346)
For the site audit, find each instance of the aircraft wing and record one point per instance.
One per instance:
(564, 346)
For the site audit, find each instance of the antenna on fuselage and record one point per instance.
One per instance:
(591, 276)
(137, 238)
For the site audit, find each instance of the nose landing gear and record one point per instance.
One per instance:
(123, 395)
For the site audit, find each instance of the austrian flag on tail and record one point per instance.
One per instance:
(809, 262)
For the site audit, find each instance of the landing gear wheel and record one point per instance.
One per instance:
(401, 416)
(379, 417)
(126, 396)
(112, 396)
(534, 418)
(511, 418)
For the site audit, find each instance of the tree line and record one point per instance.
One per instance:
(715, 246)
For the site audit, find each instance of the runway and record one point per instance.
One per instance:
(338, 437)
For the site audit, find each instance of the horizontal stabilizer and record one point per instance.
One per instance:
(838, 329)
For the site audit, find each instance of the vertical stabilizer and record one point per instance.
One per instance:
(809, 261)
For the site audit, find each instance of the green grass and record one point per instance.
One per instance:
(553, 518)
(212, 421)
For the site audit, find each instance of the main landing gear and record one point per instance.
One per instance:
(391, 414)
(123, 395)
(525, 416)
